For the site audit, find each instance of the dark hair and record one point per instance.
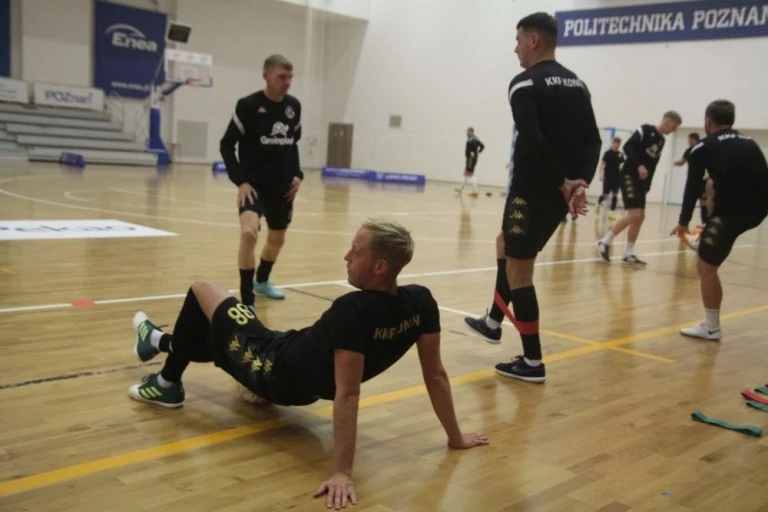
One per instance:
(617, 139)
(721, 112)
(540, 22)
(671, 114)
(694, 136)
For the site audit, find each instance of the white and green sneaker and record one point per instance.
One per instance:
(268, 290)
(143, 327)
(151, 392)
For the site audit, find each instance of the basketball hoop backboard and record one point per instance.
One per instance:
(190, 68)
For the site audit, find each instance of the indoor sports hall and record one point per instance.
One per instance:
(114, 199)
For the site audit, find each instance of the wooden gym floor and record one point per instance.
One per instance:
(611, 430)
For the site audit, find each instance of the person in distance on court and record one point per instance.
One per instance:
(694, 139)
(362, 334)
(643, 150)
(471, 151)
(555, 159)
(736, 196)
(265, 127)
(609, 174)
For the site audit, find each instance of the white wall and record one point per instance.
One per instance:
(446, 64)
(239, 38)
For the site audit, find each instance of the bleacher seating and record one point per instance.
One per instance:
(43, 133)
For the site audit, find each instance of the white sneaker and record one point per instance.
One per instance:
(703, 331)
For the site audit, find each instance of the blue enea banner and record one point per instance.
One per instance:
(680, 21)
(129, 45)
(5, 37)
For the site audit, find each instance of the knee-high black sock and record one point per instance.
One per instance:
(614, 198)
(189, 341)
(246, 286)
(526, 308)
(262, 273)
(502, 287)
(704, 214)
(600, 199)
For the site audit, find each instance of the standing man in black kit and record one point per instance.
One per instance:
(266, 128)
(555, 159)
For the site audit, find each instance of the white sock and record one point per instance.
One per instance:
(463, 182)
(712, 317)
(473, 181)
(490, 322)
(163, 383)
(608, 238)
(154, 338)
(532, 362)
(630, 250)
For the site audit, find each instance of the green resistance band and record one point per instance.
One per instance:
(749, 430)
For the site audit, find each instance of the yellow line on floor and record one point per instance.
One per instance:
(154, 452)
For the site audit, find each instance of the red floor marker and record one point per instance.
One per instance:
(82, 303)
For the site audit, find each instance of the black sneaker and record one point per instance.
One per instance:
(478, 326)
(517, 368)
(633, 260)
(604, 250)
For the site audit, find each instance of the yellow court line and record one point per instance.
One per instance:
(627, 351)
(205, 440)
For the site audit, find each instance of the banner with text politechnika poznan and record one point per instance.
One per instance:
(664, 22)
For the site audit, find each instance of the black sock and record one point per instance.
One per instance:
(262, 273)
(502, 287)
(704, 214)
(613, 202)
(190, 340)
(600, 199)
(247, 296)
(165, 343)
(526, 309)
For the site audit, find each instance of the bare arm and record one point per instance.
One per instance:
(439, 389)
(348, 369)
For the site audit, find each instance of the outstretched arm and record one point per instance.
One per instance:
(348, 369)
(439, 389)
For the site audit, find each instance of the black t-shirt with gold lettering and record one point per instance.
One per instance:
(379, 325)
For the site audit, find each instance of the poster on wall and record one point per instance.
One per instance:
(5, 37)
(129, 45)
(664, 22)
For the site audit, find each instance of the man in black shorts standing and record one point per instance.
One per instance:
(737, 191)
(609, 174)
(693, 139)
(472, 149)
(266, 127)
(643, 150)
(361, 335)
(556, 155)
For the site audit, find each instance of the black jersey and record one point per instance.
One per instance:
(613, 160)
(738, 170)
(643, 148)
(557, 137)
(474, 146)
(266, 134)
(687, 154)
(379, 325)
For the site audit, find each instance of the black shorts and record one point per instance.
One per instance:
(469, 165)
(529, 222)
(251, 353)
(633, 191)
(721, 232)
(611, 184)
(272, 205)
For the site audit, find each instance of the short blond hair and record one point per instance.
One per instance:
(277, 61)
(390, 240)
